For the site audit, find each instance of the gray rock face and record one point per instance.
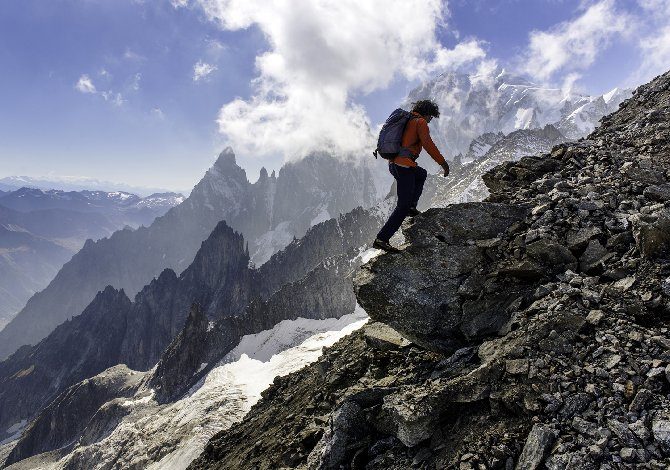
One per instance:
(348, 426)
(183, 358)
(465, 182)
(382, 336)
(440, 309)
(538, 442)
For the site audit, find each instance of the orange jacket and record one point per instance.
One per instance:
(415, 138)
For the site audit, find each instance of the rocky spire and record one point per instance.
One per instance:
(182, 358)
(226, 157)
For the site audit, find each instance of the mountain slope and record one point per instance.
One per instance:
(27, 263)
(146, 434)
(539, 320)
(465, 183)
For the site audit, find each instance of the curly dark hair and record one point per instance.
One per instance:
(426, 108)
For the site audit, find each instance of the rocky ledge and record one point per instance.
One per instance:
(538, 320)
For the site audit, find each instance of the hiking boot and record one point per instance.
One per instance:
(386, 246)
(413, 211)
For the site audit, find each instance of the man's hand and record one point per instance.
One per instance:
(445, 167)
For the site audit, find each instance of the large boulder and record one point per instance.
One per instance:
(431, 292)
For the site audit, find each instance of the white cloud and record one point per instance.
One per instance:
(202, 70)
(158, 113)
(322, 52)
(114, 98)
(179, 3)
(574, 45)
(85, 84)
(660, 7)
(131, 55)
(135, 82)
(655, 53)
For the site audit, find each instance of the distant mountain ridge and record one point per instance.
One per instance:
(41, 230)
(305, 192)
(120, 207)
(74, 183)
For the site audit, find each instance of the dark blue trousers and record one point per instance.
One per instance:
(410, 185)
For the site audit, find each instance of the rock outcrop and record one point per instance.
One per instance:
(539, 322)
(442, 308)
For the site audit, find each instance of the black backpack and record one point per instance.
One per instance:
(390, 137)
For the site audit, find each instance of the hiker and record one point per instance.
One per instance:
(408, 175)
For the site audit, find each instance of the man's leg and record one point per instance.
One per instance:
(420, 176)
(405, 182)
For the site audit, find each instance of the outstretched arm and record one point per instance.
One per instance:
(428, 144)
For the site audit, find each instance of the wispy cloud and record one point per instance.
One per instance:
(202, 70)
(321, 53)
(85, 85)
(112, 97)
(131, 55)
(574, 45)
(134, 84)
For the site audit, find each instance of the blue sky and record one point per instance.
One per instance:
(147, 92)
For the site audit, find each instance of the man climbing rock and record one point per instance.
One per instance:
(408, 175)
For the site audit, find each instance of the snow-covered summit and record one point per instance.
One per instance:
(499, 101)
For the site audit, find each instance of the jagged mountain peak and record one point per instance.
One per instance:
(226, 156)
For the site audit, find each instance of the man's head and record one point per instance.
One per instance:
(426, 108)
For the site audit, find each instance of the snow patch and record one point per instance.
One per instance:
(524, 118)
(322, 215)
(367, 255)
(179, 431)
(14, 431)
(287, 334)
(271, 242)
